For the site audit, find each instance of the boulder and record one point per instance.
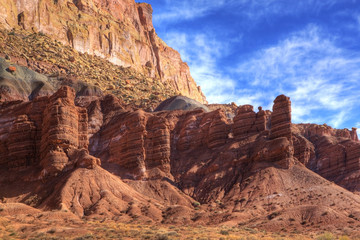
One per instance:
(180, 103)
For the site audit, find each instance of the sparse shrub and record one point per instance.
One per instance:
(344, 238)
(251, 238)
(51, 231)
(224, 232)
(196, 204)
(273, 215)
(85, 237)
(162, 237)
(326, 236)
(172, 233)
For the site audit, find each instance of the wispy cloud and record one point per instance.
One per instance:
(179, 10)
(186, 9)
(202, 52)
(310, 68)
(318, 66)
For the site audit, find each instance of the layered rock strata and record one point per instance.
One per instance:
(191, 148)
(247, 122)
(120, 31)
(64, 127)
(49, 132)
(281, 118)
(333, 153)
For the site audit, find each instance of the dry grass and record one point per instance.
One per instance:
(114, 230)
(127, 84)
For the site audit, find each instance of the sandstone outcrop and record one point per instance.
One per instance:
(49, 132)
(120, 31)
(169, 163)
(21, 143)
(247, 122)
(64, 127)
(333, 153)
(281, 118)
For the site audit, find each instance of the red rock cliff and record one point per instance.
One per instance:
(118, 30)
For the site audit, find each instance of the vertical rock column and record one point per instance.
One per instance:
(60, 130)
(157, 146)
(354, 135)
(21, 143)
(281, 118)
(244, 120)
(281, 149)
(218, 129)
(247, 122)
(126, 143)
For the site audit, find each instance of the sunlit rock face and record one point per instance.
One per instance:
(120, 31)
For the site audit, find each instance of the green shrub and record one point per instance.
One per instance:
(224, 232)
(326, 236)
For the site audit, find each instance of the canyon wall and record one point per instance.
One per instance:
(59, 132)
(332, 153)
(120, 31)
(49, 132)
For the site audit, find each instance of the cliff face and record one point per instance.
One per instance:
(333, 153)
(49, 132)
(120, 31)
(89, 154)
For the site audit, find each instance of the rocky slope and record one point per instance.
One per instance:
(97, 159)
(79, 139)
(120, 31)
(63, 65)
(333, 153)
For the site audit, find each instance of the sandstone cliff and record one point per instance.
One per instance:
(333, 153)
(120, 31)
(50, 132)
(182, 167)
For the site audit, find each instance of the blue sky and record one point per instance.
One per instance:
(250, 51)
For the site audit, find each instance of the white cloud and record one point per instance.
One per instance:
(186, 9)
(321, 77)
(202, 52)
(307, 66)
(180, 10)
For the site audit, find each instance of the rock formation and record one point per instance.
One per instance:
(281, 118)
(180, 103)
(333, 153)
(92, 155)
(50, 132)
(21, 83)
(64, 127)
(120, 31)
(248, 122)
(66, 144)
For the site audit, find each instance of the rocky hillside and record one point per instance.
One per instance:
(63, 65)
(80, 142)
(119, 31)
(88, 155)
